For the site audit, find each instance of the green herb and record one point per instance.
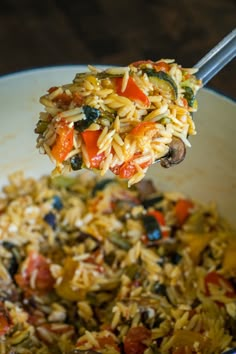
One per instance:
(63, 181)
(189, 95)
(119, 241)
(41, 126)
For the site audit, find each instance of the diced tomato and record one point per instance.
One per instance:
(185, 102)
(132, 91)
(108, 341)
(64, 142)
(128, 168)
(96, 160)
(63, 99)
(141, 62)
(5, 320)
(221, 282)
(44, 281)
(158, 66)
(106, 327)
(159, 216)
(142, 128)
(161, 66)
(144, 239)
(90, 138)
(115, 169)
(136, 340)
(52, 89)
(78, 99)
(186, 75)
(182, 210)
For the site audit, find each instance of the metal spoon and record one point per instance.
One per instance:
(215, 60)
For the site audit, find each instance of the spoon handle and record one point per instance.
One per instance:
(217, 58)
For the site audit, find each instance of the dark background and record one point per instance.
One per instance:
(54, 32)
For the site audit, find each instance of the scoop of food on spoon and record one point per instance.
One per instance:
(124, 119)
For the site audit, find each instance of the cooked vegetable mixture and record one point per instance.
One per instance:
(90, 266)
(121, 119)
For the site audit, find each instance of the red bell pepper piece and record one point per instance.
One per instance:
(161, 66)
(158, 66)
(221, 282)
(64, 142)
(142, 128)
(136, 340)
(78, 99)
(90, 138)
(128, 168)
(52, 89)
(132, 91)
(141, 62)
(182, 209)
(63, 99)
(44, 280)
(185, 102)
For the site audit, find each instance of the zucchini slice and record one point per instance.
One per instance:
(101, 185)
(189, 95)
(162, 81)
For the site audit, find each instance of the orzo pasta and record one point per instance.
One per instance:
(121, 119)
(90, 266)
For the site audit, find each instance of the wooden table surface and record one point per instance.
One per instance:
(55, 32)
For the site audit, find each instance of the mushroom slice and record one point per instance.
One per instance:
(176, 154)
